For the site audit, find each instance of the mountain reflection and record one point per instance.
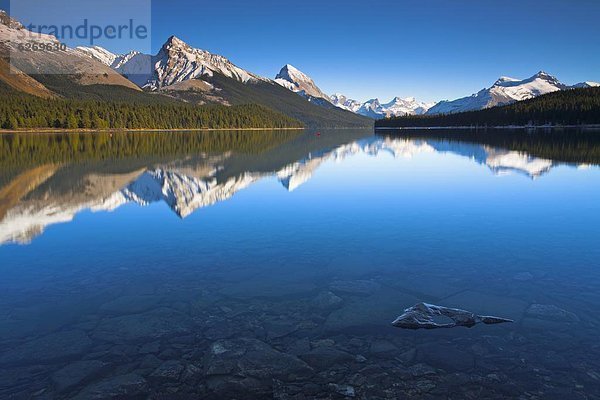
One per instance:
(37, 194)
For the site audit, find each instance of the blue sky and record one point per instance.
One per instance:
(430, 49)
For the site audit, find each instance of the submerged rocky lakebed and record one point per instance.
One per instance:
(281, 276)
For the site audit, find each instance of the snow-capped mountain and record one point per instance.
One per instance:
(505, 90)
(295, 80)
(586, 85)
(175, 62)
(341, 101)
(397, 107)
(136, 66)
(299, 82)
(195, 75)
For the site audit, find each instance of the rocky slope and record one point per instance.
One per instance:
(69, 64)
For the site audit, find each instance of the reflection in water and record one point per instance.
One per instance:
(51, 194)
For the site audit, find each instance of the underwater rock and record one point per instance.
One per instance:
(423, 316)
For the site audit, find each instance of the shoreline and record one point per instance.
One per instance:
(481, 128)
(54, 130)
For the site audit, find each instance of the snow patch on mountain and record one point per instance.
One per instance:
(98, 53)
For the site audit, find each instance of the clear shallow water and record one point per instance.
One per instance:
(275, 270)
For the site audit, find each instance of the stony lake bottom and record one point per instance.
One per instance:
(229, 266)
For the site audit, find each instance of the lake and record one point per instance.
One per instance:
(221, 265)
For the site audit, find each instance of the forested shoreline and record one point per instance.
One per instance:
(24, 112)
(564, 108)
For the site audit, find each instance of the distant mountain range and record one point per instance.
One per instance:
(297, 81)
(573, 106)
(505, 91)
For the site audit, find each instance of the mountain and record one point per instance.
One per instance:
(135, 66)
(184, 73)
(295, 80)
(178, 73)
(196, 75)
(505, 91)
(177, 62)
(298, 82)
(72, 67)
(573, 107)
(585, 85)
(341, 101)
(397, 107)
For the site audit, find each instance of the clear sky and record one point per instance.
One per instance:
(430, 49)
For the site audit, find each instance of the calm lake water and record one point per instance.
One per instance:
(271, 265)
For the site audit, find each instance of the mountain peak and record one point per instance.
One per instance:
(177, 61)
(545, 76)
(290, 67)
(297, 81)
(293, 74)
(175, 42)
